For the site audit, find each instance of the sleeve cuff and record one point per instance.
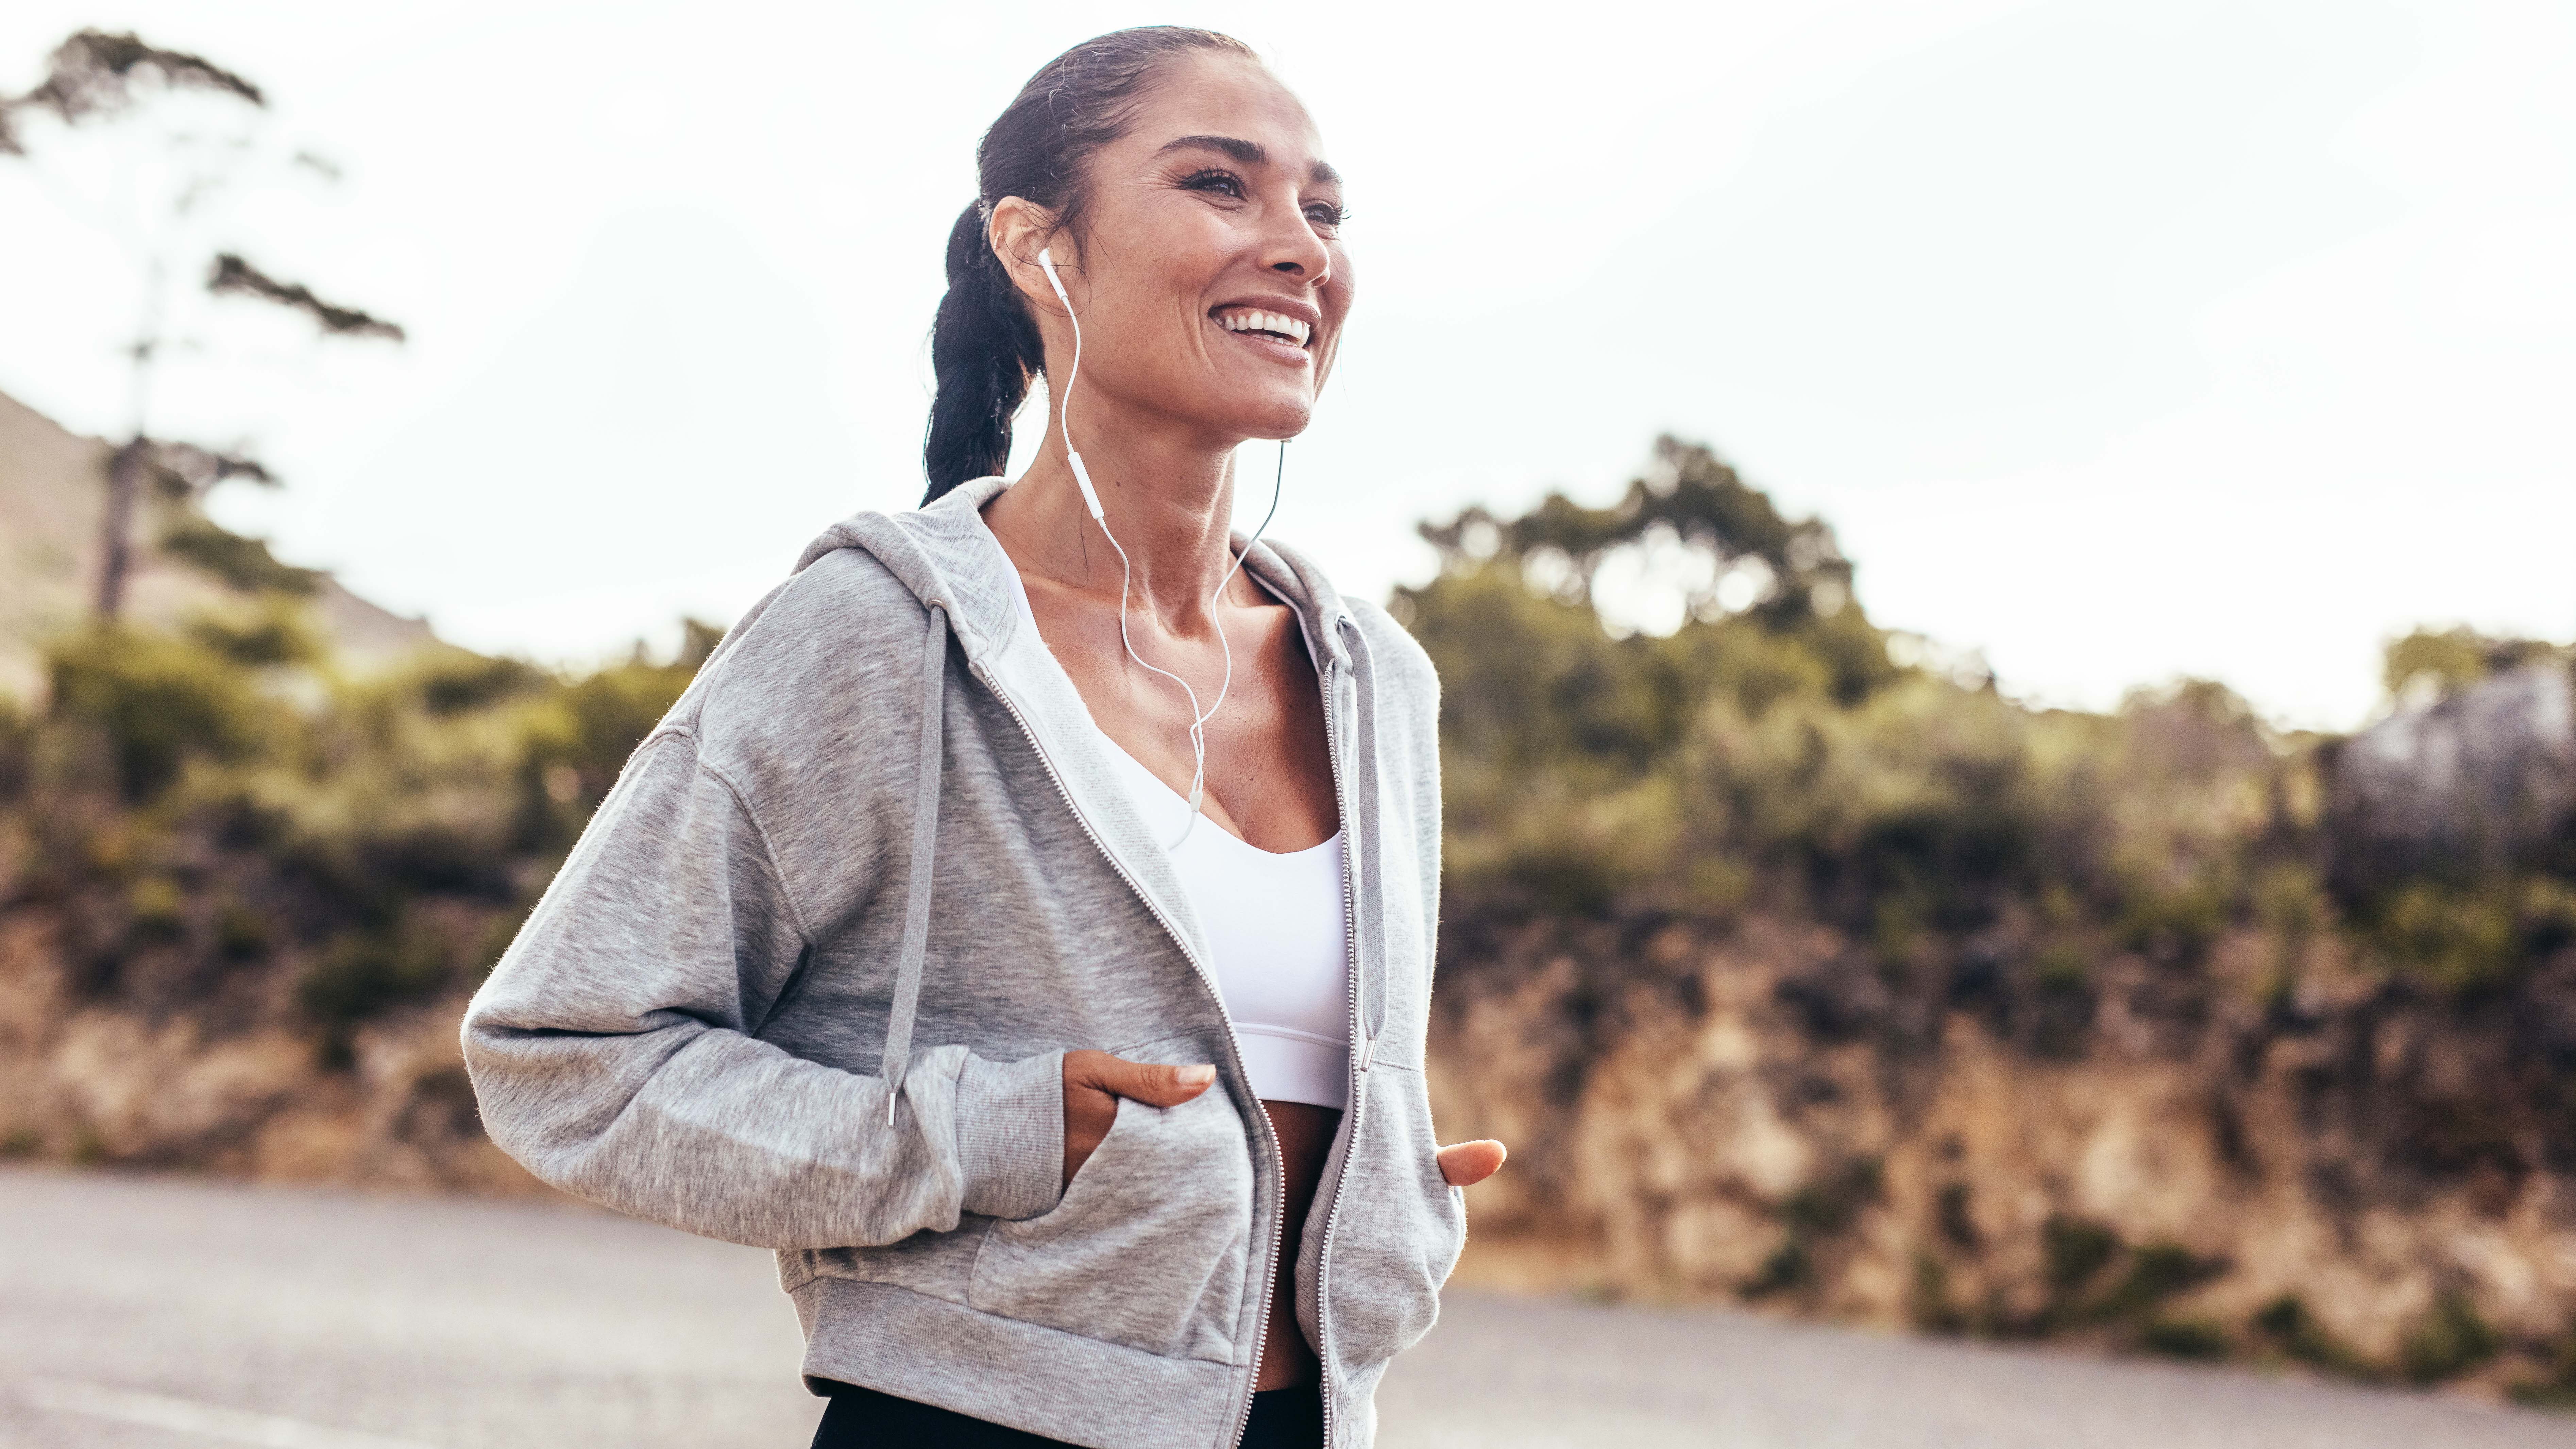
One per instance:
(1010, 1135)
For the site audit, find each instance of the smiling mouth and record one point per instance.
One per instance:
(1274, 325)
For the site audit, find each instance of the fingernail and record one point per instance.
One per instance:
(1198, 1076)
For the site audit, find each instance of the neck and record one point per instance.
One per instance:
(1169, 502)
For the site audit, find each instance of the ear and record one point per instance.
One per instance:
(1020, 228)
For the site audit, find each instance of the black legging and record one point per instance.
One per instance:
(865, 1419)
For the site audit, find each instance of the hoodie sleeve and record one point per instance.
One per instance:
(612, 1049)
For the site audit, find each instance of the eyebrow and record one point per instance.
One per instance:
(1249, 153)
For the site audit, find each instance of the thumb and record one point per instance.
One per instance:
(1464, 1164)
(1153, 1083)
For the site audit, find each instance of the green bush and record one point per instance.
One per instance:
(273, 635)
(2449, 1340)
(457, 682)
(200, 800)
(242, 563)
(2186, 1338)
(1831, 1203)
(1927, 1303)
(154, 702)
(2556, 1388)
(2455, 937)
(1788, 1268)
(363, 974)
(2157, 1271)
(2077, 1251)
(2286, 1324)
(1777, 752)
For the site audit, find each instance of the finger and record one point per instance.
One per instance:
(1153, 1083)
(1464, 1164)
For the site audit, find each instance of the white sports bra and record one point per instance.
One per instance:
(1276, 926)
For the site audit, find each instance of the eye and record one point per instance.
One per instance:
(1222, 183)
(1326, 216)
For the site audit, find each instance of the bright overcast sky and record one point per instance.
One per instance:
(2119, 341)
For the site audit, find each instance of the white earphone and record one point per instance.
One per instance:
(1126, 571)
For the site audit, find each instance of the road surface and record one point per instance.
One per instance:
(164, 1313)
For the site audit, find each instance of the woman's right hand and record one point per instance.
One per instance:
(1093, 1083)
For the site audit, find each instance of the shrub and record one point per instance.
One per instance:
(2287, 1325)
(456, 682)
(277, 634)
(154, 702)
(364, 974)
(1927, 1305)
(2187, 1338)
(2076, 1252)
(2455, 937)
(200, 800)
(2449, 1340)
(2157, 1272)
(1831, 1203)
(242, 563)
(2557, 1388)
(1789, 1267)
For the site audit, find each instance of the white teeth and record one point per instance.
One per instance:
(1245, 320)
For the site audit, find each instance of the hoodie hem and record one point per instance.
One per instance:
(1019, 1375)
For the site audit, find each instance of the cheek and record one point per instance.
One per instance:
(1160, 300)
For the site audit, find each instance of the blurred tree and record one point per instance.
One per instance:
(1725, 549)
(2432, 664)
(97, 77)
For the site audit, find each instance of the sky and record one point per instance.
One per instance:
(2118, 342)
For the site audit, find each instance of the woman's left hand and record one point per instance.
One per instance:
(1465, 1164)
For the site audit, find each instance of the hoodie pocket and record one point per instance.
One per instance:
(1399, 1231)
(1148, 1246)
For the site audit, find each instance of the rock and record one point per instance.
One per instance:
(2476, 782)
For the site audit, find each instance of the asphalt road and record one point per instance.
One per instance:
(158, 1313)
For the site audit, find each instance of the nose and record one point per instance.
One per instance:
(1293, 250)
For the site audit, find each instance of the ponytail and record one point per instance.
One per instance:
(983, 351)
(984, 346)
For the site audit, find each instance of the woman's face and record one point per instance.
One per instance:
(1209, 271)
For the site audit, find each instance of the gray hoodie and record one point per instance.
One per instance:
(807, 980)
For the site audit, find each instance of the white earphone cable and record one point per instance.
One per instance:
(1198, 782)
(1126, 570)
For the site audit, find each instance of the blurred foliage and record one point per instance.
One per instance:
(1775, 750)
(227, 824)
(2434, 664)
(2448, 1340)
(243, 563)
(1669, 725)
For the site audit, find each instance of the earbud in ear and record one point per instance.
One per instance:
(1046, 264)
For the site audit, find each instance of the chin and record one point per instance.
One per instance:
(1278, 419)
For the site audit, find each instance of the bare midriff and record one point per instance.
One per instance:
(1305, 1133)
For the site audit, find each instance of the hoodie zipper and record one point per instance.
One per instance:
(1278, 1164)
(1358, 1068)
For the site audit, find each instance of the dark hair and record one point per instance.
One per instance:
(984, 346)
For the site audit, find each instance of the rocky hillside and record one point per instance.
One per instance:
(2359, 1174)
(53, 495)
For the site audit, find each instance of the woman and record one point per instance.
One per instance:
(1076, 1113)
